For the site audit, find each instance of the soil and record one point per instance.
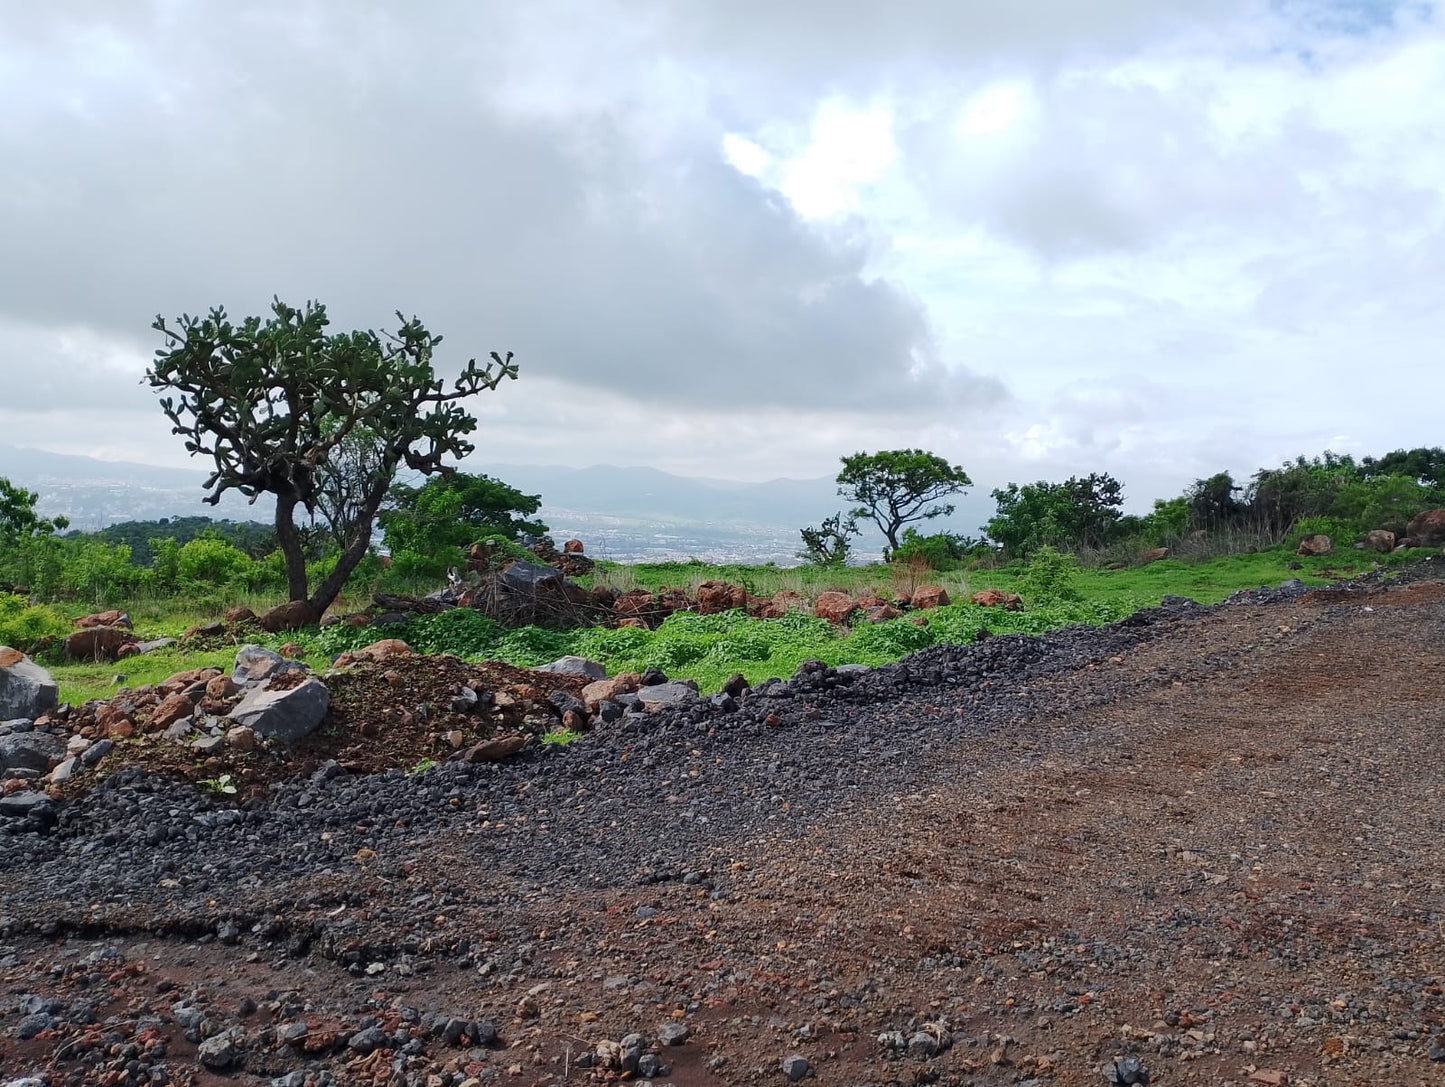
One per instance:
(1200, 846)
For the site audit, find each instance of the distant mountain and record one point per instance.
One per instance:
(626, 514)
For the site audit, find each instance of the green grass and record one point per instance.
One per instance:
(712, 648)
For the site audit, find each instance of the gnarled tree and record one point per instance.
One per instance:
(896, 486)
(274, 402)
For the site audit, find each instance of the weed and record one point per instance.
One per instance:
(219, 786)
(560, 737)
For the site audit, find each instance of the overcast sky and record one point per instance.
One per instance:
(742, 238)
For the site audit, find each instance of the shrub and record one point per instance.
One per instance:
(940, 551)
(212, 562)
(1050, 576)
(24, 626)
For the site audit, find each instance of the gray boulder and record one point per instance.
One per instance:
(26, 689)
(30, 751)
(288, 715)
(666, 696)
(528, 577)
(255, 664)
(576, 666)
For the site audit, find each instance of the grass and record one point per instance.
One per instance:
(712, 648)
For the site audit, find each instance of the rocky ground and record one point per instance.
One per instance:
(1200, 846)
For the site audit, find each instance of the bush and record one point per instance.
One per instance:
(1050, 576)
(24, 626)
(940, 551)
(213, 562)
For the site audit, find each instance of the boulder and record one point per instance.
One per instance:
(169, 712)
(607, 690)
(240, 614)
(1153, 555)
(376, 652)
(781, 604)
(881, 613)
(286, 715)
(1428, 529)
(112, 618)
(255, 664)
(834, 607)
(528, 577)
(635, 604)
(929, 596)
(26, 689)
(872, 600)
(575, 666)
(573, 547)
(497, 748)
(719, 596)
(29, 751)
(1318, 545)
(98, 643)
(663, 696)
(993, 598)
(292, 615)
(1381, 540)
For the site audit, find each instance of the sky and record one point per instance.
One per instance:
(740, 238)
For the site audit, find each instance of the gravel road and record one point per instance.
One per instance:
(1201, 846)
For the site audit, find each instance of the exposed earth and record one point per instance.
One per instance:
(1199, 846)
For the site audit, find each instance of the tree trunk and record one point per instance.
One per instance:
(289, 541)
(360, 540)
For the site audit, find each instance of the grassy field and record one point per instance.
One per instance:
(709, 649)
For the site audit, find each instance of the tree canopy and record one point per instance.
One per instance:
(455, 510)
(896, 486)
(18, 519)
(273, 403)
(1081, 512)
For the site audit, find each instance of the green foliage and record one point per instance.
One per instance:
(896, 486)
(222, 785)
(272, 402)
(452, 511)
(422, 767)
(1425, 466)
(940, 551)
(560, 737)
(255, 539)
(213, 562)
(24, 626)
(18, 519)
(97, 572)
(1382, 501)
(1081, 512)
(1050, 577)
(828, 545)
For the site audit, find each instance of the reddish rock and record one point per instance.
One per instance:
(169, 712)
(356, 620)
(241, 614)
(574, 721)
(207, 630)
(635, 604)
(1428, 529)
(1381, 540)
(602, 690)
(184, 679)
(834, 607)
(872, 600)
(292, 651)
(10, 656)
(98, 643)
(881, 613)
(992, 598)
(918, 620)
(377, 652)
(292, 615)
(781, 604)
(636, 624)
(1317, 545)
(718, 596)
(601, 596)
(221, 688)
(1153, 555)
(929, 596)
(242, 738)
(112, 618)
(497, 748)
(573, 547)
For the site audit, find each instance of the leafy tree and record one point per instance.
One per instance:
(1388, 502)
(1212, 502)
(1083, 511)
(896, 486)
(18, 519)
(1278, 497)
(828, 545)
(1425, 466)
(456, 510)
(271, 402)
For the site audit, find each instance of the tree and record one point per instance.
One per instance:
(896, 486)
(272, 402)
(456, 510)
(18, 519)
(1212, 504)
(1082, 511)
(828, 545)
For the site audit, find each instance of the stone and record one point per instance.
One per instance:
(834, 607)
(565, 702)
(97, 751)
(208, 745)
(497, 748)
(151, 646)
(221, 687)
(377, 652)
(256, 664)
(635, 604)
(573, 547)
(241, 738)
(881, 613)
(1427, 529)
(26, 689)
(65, 771)
(25, 804)
(98, 643)
(719, 596)
(796, 1068)
(32, 751)
(286, 715)
(1154, 554)
(292, 615)
(605, 690)
(672, 1033)
(1318, 545)
(169, 712)
(219, 1052)
(993, 598)
(528, 577)
(663, 696)
(240, 614)
(112, 618)
(781, 604)
(575, 666)
(205, 630)
(737, 683)
(929, 596)
(1381, 540)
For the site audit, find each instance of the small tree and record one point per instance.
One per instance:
(896, 486)
(828, 544)
(1082, 511)
(18, 519)
(273, 402)
(456, 510)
